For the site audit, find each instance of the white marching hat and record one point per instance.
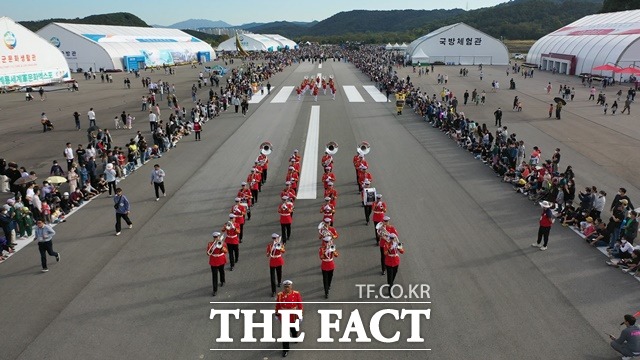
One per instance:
(287, 283)
(275, 236)
(243, 183)
(386, 218)
(379, 196)
(326, 238)
(327, 220)
(215, 234)
(237, 199)
(328, 198)
(285, 197)
(231, 216)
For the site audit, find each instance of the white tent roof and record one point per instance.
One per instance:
(388, 46)
(252, 42)
(419, 56)
(594, 40)
(283, 41)
(396, 46)
(403, 46)
(421, 39)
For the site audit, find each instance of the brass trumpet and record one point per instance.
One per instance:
(216, 245)
(278, 246)
(229, 225)
(332, 248)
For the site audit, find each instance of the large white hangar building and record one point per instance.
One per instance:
(458, 44)
(27, 59)
(257, 42)
(594, 40)
(124, 47)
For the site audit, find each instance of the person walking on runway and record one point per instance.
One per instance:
(239, 211)
(217, 251)
(546, 220)
(275, 250)
(285, 210)
(392, 251)
(122, 206)
(44, 236)
(379, 210)
(232, 239)
(157, 179)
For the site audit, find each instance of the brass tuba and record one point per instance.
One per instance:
(363, 148)
(332, 148)
(266, 148)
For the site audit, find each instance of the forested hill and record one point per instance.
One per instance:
(121, 19)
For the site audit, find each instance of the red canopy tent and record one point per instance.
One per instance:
(607, 67)
(628, 70)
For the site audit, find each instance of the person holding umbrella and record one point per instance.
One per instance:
(559, 104)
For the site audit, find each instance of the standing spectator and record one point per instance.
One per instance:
(110, 178)
(92, 117)
(44, 237)
(555, 160)
(121, 204)
(69, 156)
(498, 115)
(546, 220)
(56, 170)
(197, 128)
(153, 121)
(621, 195)
(628, 343)
(76, 118)
(157, 179)
(598, 204)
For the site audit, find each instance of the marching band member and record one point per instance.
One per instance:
(239, 211)
(288, 191)
(293, 161)
(392, 251)
(285, 210)
(327, 253)
(263, 160)
(332, 193)
(324, 86)
(328, 210)
(333, 92)
(275, 250)
(245, 194)
(327, 177)
(327, 161)
(293, 177)
(384, 230)
(364, 175)
(325, 229)
(379, 210)
(233, 242)
(254, 184)
(359, 161)
(299, 92)
(288, 299)
(315, 93)
(258, 167)
(296, 156)
(217, 251)
(367, 206)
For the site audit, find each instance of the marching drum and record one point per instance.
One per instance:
(369, 196)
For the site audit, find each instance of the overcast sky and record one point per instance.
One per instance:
(164, 12)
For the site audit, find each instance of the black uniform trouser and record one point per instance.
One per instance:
(197, 135)
(264, 175)
(382, 265)
(214, 276)
(241, 231)
(375, 224)
(327, 276)
(273, 272)
(286, 232)
(543, 233)
(119, 218)
(234, 252)
(254, 193)
(294, 333)
(46, 247)
(392, 271)
(367, 212)
(157, 187)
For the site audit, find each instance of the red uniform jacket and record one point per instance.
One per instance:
(331, 230)
(232, 235)
(291, 193)
(326, 258)
(327, 211)
(264, 159)
(239, 211)
(254, 181)
(328, 177)
(285, 211)
(218, 258)
(290, 301)
(275, 255)
(392, 254)
(327, 160)
(246, 195)
(379, 209)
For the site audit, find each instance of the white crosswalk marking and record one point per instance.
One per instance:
(375, 93)
(308, 188)
(352, 93)
(282, 95)
(256, 98)
(320, 66)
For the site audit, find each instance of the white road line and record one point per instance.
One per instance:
(308, 187)
(320, 66)
(256, 98)
(375, 93)
(352, 93)
(282, 95)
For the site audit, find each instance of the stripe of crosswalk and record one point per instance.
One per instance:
(375, 93)
(352, 93)
(282, 95)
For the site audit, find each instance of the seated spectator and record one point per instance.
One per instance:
(77, 198)
(628, 264)
(587, 226)
(155, 152)
(89, 191)
(569, 216)
(65, 203)
(621, 250)
(101, 185)
(600, 237)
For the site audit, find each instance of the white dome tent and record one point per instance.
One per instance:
(27, 59)
(594, 40)
(256, 42)
(124, 47)
(419, 58)
(460, 44)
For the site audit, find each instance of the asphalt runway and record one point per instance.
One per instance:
(147, 293)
